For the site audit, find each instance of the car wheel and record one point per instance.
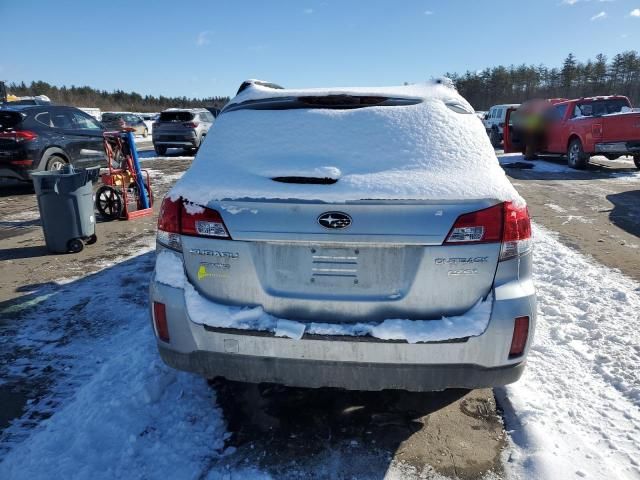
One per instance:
(636, 160)
(576, 158)
(494, 137)
(160, 149)
(55, 162)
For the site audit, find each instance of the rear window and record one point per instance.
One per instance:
(9, 120)
(600, 107)
(334, 102)
(107, 117)
(176, 116)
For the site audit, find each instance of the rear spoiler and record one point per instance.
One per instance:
(249, 83)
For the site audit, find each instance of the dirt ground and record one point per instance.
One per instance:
(453, 433)
(595, 211)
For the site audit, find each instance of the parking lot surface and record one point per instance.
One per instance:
(284, 431)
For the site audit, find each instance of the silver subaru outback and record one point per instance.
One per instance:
(355, 238)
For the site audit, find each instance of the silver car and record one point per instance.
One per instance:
(325, 278)
(181, 128)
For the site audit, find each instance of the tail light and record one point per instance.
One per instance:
(504, 222)
(483, 226)
(19, 135)
(516, 235)
(520, 335)
(179, 217)
(160, 321)
(190, 124)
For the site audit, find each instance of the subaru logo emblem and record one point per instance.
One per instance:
(333, 220)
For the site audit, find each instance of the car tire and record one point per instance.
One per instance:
(636, 160)
(494, 137)
(576, 158)
(55, 162)
(160, 149)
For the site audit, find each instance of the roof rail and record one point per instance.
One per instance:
(248, 83)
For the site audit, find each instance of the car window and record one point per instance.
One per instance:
(82, 121)
(44, 118)
(176, 116)
(9, 120)
(61, 119)
(559, 111)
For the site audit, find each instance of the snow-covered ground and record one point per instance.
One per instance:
(115, 411)
(576, 411)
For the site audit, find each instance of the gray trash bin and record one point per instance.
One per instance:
(65, 201)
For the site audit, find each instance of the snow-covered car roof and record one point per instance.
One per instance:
(426, 149)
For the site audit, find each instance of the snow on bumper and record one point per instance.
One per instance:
(352, 362)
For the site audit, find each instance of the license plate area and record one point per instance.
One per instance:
(338, 272)
(334, 266)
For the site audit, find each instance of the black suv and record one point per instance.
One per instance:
(46, 137)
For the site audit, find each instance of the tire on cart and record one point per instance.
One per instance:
(109, 203)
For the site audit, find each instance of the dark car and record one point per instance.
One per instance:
(47, 137)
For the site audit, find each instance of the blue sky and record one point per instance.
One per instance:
(207, 48)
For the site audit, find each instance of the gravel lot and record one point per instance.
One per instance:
(452, 433)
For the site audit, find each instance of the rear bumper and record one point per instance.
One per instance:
(16, 172)
(619, 148)
(18, 163)
(178, 140)
(360, 363)
(350, 375)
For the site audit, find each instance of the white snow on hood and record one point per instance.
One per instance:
(425, 151)
(170, 271)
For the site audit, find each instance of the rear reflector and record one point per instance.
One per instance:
(520, 335)
(160, 321)
(21, 162)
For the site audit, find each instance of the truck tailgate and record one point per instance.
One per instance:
(620, 127)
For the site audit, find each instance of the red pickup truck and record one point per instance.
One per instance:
(584, 127)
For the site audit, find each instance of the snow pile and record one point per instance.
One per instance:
(576, 410)
(127, 415)
(410, 152)
(170, 271)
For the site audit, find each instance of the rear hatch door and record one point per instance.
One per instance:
(388, 262)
